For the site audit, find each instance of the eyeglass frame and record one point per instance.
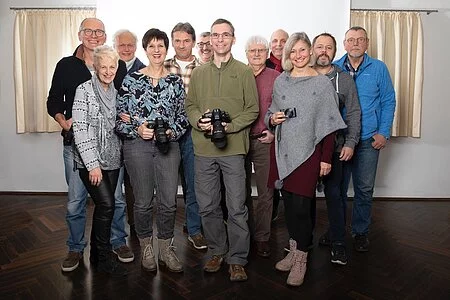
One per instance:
(253, 51)
(360, 40)
(224, 35)
(201, 44)
(93, 31)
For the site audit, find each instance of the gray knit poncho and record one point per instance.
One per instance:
(318, 115)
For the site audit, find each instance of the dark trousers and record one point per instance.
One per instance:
(103, 197)
(298, 218)
(336, 198)
(129, 197)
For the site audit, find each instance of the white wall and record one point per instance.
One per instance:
(408, 167)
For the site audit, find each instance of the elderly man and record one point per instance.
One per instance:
(183, 63)
(257, 50)
(70, 72)
(277, 42)
(377, 99)
(124, 41)
(204, 47)
(223, 90)
(324, 49)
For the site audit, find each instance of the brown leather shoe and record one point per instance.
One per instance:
(213, 264)
(263, 249)
(237, 273)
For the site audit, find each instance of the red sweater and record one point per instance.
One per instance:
(303, 180)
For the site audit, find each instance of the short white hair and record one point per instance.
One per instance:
(119, 33)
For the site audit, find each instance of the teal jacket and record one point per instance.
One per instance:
(231, 88)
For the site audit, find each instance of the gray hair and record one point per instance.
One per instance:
(257, 39)
(292, 40)
(205, 34)
(119, 33)
(105, 51)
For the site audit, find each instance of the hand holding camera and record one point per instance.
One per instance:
(214, 123)
(279, 117)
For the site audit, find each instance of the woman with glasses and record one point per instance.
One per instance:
(154, 101)
(304, 115)
(97, 152)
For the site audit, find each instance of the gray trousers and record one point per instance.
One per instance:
(207, 190)
(150, 170)
(260, 209)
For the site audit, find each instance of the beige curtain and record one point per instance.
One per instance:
(41, 38)
(397, 39)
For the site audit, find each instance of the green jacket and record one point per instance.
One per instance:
(231, 88)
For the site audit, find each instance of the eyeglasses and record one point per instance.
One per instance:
(97, 32)
(254, 51)
(201, 44)
(360, 40)
(224, 35)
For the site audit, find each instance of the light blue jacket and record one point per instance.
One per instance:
(376, 96)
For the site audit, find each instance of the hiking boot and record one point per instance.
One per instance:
(124, 254)
(72, 261)
(298, 270)
(237, 273)
(286, 263)
(147, 255)
(361, 243)
(213, 264)
(198, 241)
(167, 256)
(324, 239)
(338, 254)
(111, 266)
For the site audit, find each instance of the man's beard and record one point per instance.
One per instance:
(323, 63)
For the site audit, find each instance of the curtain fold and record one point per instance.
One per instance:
(396, 38)
(41, 38)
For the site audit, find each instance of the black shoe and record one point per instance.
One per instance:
(112, 267)
(338, 254)
(361, 243)
(324, 240)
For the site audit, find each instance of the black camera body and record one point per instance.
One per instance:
(290, 112)
(162, 140)
(218, 136)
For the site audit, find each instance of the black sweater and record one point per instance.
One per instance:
(69, 73)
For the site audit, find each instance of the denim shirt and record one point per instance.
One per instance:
(144, 102)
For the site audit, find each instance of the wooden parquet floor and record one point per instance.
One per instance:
(409, 258)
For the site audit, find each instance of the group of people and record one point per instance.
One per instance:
(290, 115)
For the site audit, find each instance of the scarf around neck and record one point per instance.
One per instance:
(106, 99)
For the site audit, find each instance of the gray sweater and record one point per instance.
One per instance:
(95, 145)
(349, 106)
(318, 115)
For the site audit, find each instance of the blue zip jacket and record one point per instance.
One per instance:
(376, 96)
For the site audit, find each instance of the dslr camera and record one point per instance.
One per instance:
(218, 136)
(162, 140)
(289, 112)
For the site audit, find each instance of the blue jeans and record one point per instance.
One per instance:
(76, 208)
(364, 170)
(193, 220)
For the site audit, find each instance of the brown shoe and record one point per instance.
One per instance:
(213, 264)
(71, 261)
(263, 249)
(237, 273)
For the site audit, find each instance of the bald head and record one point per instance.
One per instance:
(277, 42)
